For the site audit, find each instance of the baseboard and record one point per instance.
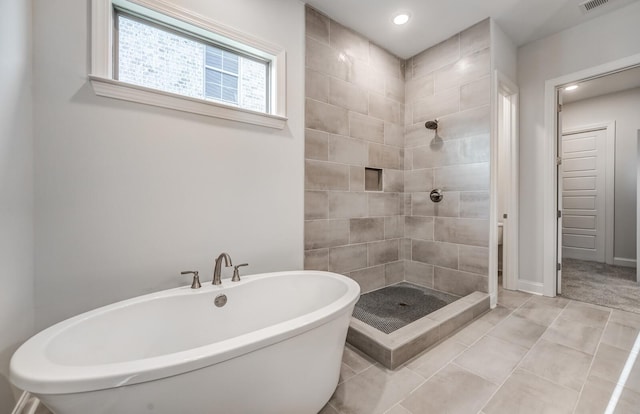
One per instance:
(621, 261)
(493, 300)
(530, 287)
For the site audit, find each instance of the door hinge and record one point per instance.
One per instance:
(559, 213)
(505, 215)
(559, 107)
(558, 160)
(558, 266)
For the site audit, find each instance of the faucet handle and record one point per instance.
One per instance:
(236, 273)
(195, 284)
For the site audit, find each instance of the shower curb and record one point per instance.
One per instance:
(396, 348)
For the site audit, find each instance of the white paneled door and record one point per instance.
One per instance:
(584, 172)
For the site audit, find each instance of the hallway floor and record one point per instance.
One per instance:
(530, 354)
(601, 284)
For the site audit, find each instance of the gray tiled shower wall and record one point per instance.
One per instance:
(367, 108)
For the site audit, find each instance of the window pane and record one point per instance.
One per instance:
(151, 57)
(155, 57)
(214, 76)
(253, 93)
(213, 91)
(229, 94)
(221, 86)
(214, 57)
(230, 81)
(230, 63)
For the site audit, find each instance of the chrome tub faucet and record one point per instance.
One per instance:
(217, 270)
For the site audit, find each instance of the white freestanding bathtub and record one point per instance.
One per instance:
(275, 347)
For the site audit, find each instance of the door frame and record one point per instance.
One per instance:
(610, 162)
(503, 86)
(638, 211)
(550, 179)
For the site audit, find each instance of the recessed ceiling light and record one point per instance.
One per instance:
(571, 88)
(401, 18)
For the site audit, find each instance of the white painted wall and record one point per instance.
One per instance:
(16, 186)
(603, 39)
(128, 195)
(504, 53)
(504, 60)
(624, 109)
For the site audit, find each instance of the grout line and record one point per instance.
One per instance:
(524, 356)
(593, 359)
(334, 408)
(463, 351)
(450, 361)
(529, 351)
(437, 371)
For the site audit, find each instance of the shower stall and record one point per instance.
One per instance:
(397, 157)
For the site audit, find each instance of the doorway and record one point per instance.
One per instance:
(595, 188)
(503, 234)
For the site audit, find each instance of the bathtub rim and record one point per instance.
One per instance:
(40, 375)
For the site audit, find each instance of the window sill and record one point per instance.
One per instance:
(121, 90)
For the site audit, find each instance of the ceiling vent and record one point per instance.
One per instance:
(590, 5)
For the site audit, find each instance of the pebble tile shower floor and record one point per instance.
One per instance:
(392, 307)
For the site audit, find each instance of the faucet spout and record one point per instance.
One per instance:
(217, 269)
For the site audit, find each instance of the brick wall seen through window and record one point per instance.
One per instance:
(161, 59)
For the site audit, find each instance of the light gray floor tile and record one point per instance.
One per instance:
(398, 409)
(472, 332)
(526, 393)
(492, 358)
(355, 359)
(592, 315)
(42, 410)
(452, 390)
(518, 331)
(346, 372)
(374, 391)
(625, 318)
(434, 359)
(512, 299)
(496, 315)
(617, 366)
(558, 363)
(547, 380)
(598, 395)
(620, 336)
(542, 310)
(327, 409)
(574, 334)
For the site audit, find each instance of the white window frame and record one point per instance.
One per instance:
(104, 84)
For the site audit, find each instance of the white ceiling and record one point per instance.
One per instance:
(435, 20)
(616, 82)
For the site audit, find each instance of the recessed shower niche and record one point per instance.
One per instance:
(372, 179)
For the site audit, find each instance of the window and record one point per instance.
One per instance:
(158, 55)
(221, 75)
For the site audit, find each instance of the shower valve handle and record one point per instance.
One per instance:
(436, 195)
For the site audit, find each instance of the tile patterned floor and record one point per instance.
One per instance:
(531, 354)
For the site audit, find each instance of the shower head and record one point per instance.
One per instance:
(431, 124)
